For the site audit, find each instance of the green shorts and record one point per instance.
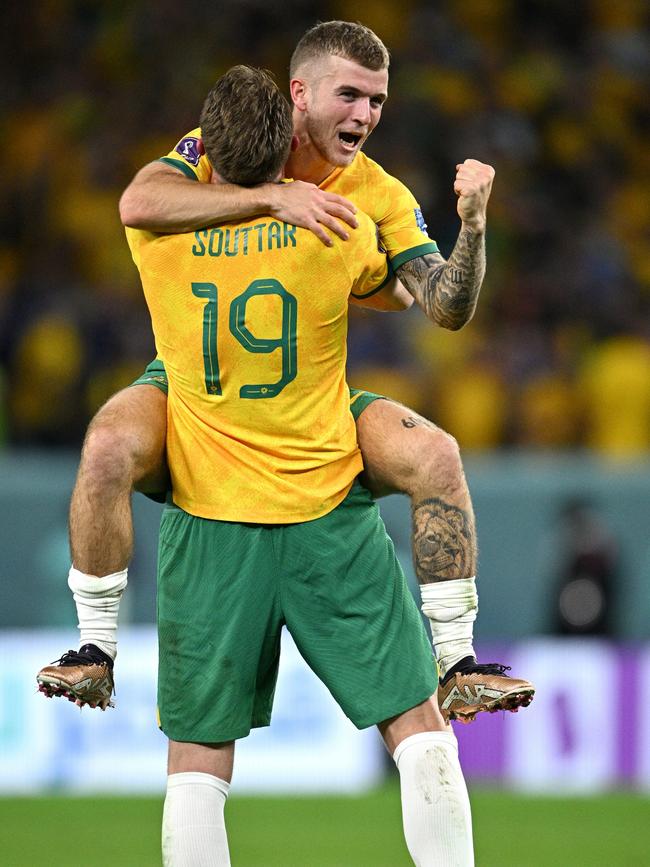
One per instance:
(225, 590)
(155, 374)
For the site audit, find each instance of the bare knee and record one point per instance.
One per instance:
(107, 458)
(215, 759)
(125, 441)
(407, 453)
(440, 462)
(424, 717)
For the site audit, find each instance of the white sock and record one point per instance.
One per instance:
(451, 607)
(193, 828)
(435, 804)
(98, 603)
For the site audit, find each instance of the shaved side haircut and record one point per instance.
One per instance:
(346, 39)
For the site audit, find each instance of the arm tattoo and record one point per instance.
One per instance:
(444, 542)
(447, 291)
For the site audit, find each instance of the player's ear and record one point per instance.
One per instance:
(299, 90)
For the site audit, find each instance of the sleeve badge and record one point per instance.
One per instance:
(419, 219)
(191, 149)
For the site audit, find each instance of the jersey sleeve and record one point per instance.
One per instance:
(189, 157)
(402, 230)
(371, 270)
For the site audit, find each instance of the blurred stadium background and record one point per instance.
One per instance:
(547, 391)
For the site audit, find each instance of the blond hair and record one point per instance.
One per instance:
(347, 39)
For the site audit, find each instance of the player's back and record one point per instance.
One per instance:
(251, 322)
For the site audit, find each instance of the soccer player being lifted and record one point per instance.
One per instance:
(339, 81)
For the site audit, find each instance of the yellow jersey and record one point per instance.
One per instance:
(388, 203)
(251, 322)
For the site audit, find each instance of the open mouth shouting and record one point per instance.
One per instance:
(350, 141)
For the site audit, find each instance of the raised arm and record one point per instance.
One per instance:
(161, 198)
(448, 290)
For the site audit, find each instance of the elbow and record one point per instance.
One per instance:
(455, 322)
(451, 324)
(131, 211)
(128, 213)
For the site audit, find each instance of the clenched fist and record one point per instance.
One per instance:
(473, 185)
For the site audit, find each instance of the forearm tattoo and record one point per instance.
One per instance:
(444, 543)
(447, 291)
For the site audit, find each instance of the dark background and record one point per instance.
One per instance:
(554, 95)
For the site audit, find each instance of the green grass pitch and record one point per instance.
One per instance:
(607, 831)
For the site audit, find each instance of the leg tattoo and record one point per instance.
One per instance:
(442, 542)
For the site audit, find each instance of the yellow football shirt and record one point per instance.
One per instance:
(388, 203)
(251, 321)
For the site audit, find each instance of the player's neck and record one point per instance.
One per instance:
(305, 163)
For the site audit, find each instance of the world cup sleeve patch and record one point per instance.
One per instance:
(191, 149)
(419, 219)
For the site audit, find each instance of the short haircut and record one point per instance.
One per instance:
(246, 127)
(346, 39)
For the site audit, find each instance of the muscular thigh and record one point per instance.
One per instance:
(136, 419)
(392, 440)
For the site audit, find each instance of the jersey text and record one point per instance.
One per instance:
(239, 242)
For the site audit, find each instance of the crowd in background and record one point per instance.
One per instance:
(553, 94)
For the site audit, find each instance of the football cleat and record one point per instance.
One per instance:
(470, 688)
(83, 676)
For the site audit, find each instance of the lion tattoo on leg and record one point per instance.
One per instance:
(441, 541)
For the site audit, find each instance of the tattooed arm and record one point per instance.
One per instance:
(448, 290)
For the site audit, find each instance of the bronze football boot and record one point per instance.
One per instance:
(470, 688)
(83, 676)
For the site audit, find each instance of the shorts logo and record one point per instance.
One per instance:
(419, 219)
(191, 149)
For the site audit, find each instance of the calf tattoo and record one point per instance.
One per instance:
(443, 543)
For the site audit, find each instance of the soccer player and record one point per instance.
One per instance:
(269, 526)
(339, 77)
